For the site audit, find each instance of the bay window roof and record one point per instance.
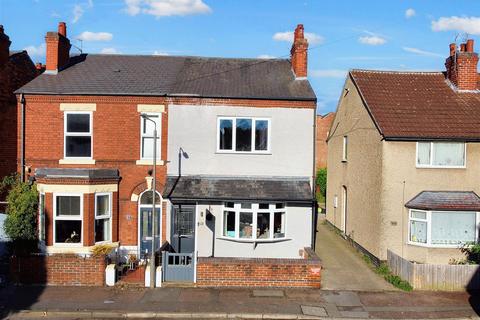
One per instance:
(236, 188)
(445, 201)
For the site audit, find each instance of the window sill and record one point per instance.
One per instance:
(441, 167)
(254, 240)
(435, 246)
(263, 153)
(76, 248)
(148, 162)
(76, 161)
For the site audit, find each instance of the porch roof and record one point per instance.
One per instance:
(445, 200)
(238, 188)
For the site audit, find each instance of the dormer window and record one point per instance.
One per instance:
(441, 154)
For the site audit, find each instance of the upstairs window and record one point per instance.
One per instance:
(441, 154)
(147, 128)
(78, 135)
(345, 149)
(243, 135)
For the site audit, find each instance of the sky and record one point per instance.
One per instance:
(381, 34)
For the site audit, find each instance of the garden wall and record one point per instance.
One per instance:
(257, 272)
(435, 277)
(58, 270)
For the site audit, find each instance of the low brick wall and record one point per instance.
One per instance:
(58, 270)
(255, 272)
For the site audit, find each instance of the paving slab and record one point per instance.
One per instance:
(268, 293)
(343, 298)
(314, 311)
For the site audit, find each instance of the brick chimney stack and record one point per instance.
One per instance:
(58, 49)
(462, 66)
(299, 53)
(4, 47)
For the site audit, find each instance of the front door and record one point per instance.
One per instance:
(183, 226)
(145, 232)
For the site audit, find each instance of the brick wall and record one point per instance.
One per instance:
(255, 272)
(323, 126)
(58, 269)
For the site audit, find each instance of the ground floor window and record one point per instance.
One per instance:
(261, 221)
(103, 214)
(443, 228)
(68, 209)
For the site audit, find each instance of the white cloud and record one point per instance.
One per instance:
(372, 40)
(287, 36)
(409, 13)
(421, 52)
(109, 51)
(77, 13)
(160, 53)
(166, 8)
(36, 51)
(330, 73)
(470, 25)
(95, 36)
(265, 56)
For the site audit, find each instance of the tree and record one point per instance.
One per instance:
(21, 222)
(322, 181)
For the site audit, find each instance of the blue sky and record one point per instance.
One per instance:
(392, 35)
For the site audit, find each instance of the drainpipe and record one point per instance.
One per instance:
(22, 139)
(314, 174)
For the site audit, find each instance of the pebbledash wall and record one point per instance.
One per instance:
(258, 272)
(58, 269)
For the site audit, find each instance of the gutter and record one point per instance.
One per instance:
(22, 138)
(314, 183)
(237, 199)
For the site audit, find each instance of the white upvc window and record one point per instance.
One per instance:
(78, 135)
(441, 154)
(254, 221)
(103, 217)
(146, 135)
(68, 219)
(243, 135)
(41, 217)
(445, 229)
(345, 149)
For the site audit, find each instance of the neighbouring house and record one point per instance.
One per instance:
(323, 125)
(16, 69)
(235, 162)
(403, 160)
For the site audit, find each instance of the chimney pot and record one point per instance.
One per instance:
(453, 48)
(469, 45)
(2, 31)
(62, 29)
(463, 47)
(4, 46)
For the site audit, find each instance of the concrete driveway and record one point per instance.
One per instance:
(344, 267)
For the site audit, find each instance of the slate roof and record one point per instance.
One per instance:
(418, 106)
(233, 188)
(95, 74)
(445, 200)
(89, 174)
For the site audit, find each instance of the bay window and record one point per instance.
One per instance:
(78, 134)
(103, 214)
(68, 209)
(254, 221)
(243, 135)
(441, 154)
(443, 228)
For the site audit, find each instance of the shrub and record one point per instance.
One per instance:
(21, 222)
(322, 181)
(472, 253)
(102, 249)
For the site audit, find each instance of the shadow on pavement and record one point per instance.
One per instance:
(473, 289)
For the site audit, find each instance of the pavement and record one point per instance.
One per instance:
(343, 267)
(101, 302)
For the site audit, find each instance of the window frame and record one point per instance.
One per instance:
(255, 209)
(428, 220)
(345, 149)
(431, 165)
(77, 134)
(102, 217)
(67, 218)
(41, 222)
(234, 135)
(159, 135)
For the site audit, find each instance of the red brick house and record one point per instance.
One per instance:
(234, 154)
(16, 69)
(323, 126)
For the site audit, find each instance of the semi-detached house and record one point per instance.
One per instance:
(235, 159)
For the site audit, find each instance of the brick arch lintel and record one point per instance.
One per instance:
(143, 186)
